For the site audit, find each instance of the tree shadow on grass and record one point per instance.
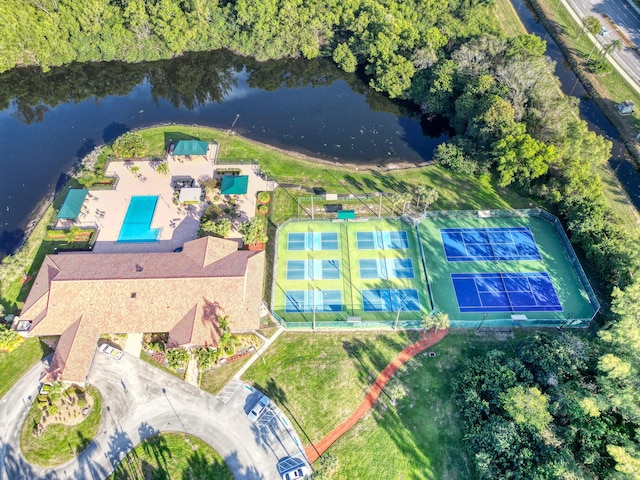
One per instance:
(368, 358)
(157, 448)
(200, 467)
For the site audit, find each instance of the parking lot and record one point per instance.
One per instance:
(272, 428)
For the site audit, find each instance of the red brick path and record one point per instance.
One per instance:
(314, 451)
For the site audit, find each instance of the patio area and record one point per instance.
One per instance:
(177, 224)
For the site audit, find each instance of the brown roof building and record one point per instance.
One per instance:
(79, 296)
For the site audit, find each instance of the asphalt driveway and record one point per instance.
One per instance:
(138, 402)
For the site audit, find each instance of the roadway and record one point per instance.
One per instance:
(626, 16)
(138, 402)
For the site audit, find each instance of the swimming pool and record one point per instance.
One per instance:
(136, 226)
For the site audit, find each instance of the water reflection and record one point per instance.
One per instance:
(49, 120)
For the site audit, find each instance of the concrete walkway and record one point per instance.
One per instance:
(138, 402)
(313, 452)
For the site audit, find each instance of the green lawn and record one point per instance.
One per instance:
(60, 443)
(171, 456)
(455, 191)
(420, 437)
(15, 364)
(319, 384)
(14, 291)
(214, 380)
(508, 18)
(318, 379)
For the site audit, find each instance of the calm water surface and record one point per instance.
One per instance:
(48, 121)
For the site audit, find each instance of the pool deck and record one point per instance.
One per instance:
(114, 204)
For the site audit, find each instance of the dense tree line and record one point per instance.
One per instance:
(390, 39)
(510, 118)
(563, 407)
(500, 94)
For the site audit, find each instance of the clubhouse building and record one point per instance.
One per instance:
(79, 296)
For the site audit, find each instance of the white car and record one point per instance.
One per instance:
(258, 408)
(112, 352)
(300, 472)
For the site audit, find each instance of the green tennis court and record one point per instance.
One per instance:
(349, 273)
(503, 269)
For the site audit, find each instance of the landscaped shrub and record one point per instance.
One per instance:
(263, 209)
(221, 228)
(130, 145)
(213, 213)
(177, 358)
(264, 197)
(82, 402)
(53, 410)
(9, 339)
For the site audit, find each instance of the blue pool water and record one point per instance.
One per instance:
(136, 226)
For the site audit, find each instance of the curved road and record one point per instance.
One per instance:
(138, 402)
(627, 17)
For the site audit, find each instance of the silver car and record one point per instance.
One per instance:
(258, 408)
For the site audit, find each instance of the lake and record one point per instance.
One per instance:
(49, 121)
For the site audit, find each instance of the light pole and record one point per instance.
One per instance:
(484, 315)
(395, 324)
(566, 322)
(313, 327)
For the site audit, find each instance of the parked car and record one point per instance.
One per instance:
(113, 352)
(298, 473)
(291, 468)
(258, 408)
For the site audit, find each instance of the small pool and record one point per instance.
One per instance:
(136, 226)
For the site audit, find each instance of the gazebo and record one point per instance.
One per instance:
(72, 204)
(192, 148)
(234, 184)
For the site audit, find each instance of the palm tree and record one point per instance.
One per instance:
(419, 192)
(438, 321)
(402, 198)
(612, 47)
(430, 197)
(223, 324)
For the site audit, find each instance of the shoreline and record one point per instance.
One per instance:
(41, 207)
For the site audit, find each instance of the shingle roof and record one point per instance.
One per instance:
(180, 293)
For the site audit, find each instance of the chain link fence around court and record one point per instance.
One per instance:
(530, 212)
(352, 315)
(411, 323)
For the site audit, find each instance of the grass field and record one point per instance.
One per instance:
(170, 456)
(508, 18)
(60, 443)
(555, 262)
(15, 364)
(319, 379)
(349, 283)
(214, 380)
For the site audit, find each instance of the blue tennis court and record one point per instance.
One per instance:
(481, 244)
(386, 268)
(312, 241)
(313, 269)
(383, 300)
(383, 240)
(299, 301)
(505, 292)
